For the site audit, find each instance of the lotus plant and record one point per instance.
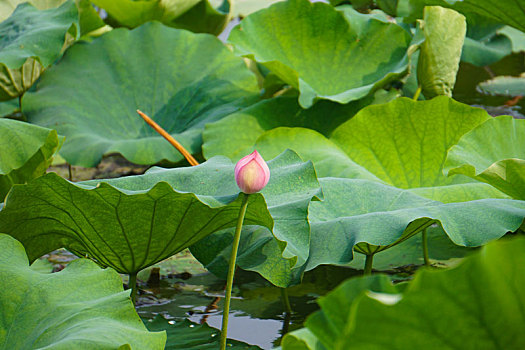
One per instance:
(251, 174)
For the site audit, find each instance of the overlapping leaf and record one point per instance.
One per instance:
(26, 151)
(180, 79)
(367, 217)
(507, 12)
(300, 42)
(235, 135)
(195, 15)
(403, 143)
(500, 163)
(131, 223)
(368, 312)
(504, 85)
(30, 40)
(81, 307)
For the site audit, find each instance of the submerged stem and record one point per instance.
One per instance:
(231, 270)
(368, 264)
(133, 286)
(425, 248)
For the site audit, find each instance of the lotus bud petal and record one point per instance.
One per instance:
(252, 173)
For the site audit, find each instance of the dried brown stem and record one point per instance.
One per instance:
(168, 137)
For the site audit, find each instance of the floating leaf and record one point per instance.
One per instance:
(366, 313)
(81, 307)
(368, 217)
(503, 85)
(30, 40)
(180, 79)
(26, 151)
(195, 15)
(500, 163)
(133, 222)
(190, 336)
(300, 41)
(438, 62)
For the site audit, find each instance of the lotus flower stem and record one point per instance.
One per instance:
(286, 301)
(425, 247)
(369, 261)
(418, 92)
(168, 137)
(133, 286)
(231, 270)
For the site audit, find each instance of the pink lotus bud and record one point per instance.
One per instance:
(252, 173)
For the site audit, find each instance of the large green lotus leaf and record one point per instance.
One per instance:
(391, 143)
(508, 12)
(367, 217)
(438, 62)
(81, 307)
(235, 135)
(500, 163)
(324, 327)
(133, 222)
(30, 40)
(425, 315)
(26, 151)
(89, 19)
(9, 107)
(190, 336)
(504, 85)
(484, 45)
(260, 250)
(152, 68)
(301, 43)
(405, 142)
(195, 15)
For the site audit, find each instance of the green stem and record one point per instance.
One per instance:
(231, 270)
(425, 248)
(418, 92)
(133, 286)
(368, 264)
(286, 301)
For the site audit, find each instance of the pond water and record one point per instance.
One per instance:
(257, 314)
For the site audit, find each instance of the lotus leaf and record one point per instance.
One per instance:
(369, 312)
(235, 135)
(133, 222)
(500, 163)
(26, 151)
(22, 53)
(517, 37)
(300, 42)
(195, 15)
(81, 307)
(92, 95)
(507, 12)
(402, 143)
(368, 217)
(504, 85)
(190, 336)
